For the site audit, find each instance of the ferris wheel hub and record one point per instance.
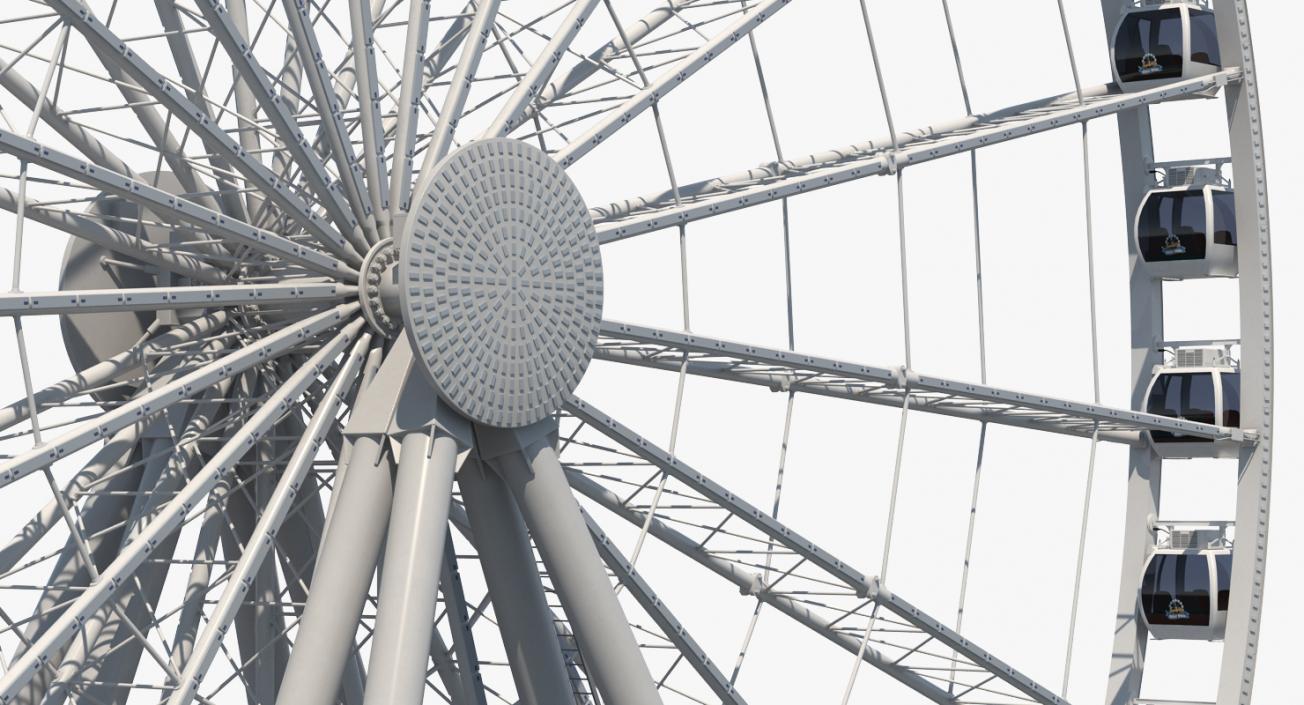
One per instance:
(379, 290)
(501, 283)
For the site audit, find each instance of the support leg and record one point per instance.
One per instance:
(300, 538)
(510, 572)
(341, 579)
(536, 479)
(414, 553)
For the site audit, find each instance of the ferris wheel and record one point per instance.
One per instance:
(297, 412)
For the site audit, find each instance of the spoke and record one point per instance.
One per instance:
(778, 180)
(166, 145)
(455, 99)
(195, 593)
(188, 71)
(803, 548)
(412, 85)
(169, 205)
(752, 583)
(102, 372)
(34, 303)
(245, 110)
(79, 137)
(133, 555)
(330, 108)
(163, 396)
(112, 239)
(448, 44)
(107, 459)
(634, 32)
(106, 651)
(369, 98)
(513, 113)
(269, 523)
(673, 76)
(657, 610)
(262, 653)
(783, 370)
(115, 51)
(274, 108)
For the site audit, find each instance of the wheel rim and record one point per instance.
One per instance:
(202, 544)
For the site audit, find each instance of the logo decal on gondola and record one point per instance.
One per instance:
(1172, 247)
(1149, 64)
(1177, 611)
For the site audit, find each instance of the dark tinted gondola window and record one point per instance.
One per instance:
(1175, 590)
(1149, 46)
(1223, 565)
(1231, 398)
(1224, 218)
(1185, 395)
(1204, 38)
(1172, 226)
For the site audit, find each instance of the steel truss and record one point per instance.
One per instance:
(783, 371)
(239, 424)
(799, 578)
(778, 180)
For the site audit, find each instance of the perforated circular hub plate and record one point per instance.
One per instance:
(501, 283)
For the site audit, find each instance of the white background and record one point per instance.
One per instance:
(847, 304)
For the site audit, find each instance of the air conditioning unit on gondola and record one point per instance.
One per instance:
(1200, 383)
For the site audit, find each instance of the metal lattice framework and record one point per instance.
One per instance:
(327, 293)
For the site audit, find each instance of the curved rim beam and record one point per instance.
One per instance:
(1254, 482)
